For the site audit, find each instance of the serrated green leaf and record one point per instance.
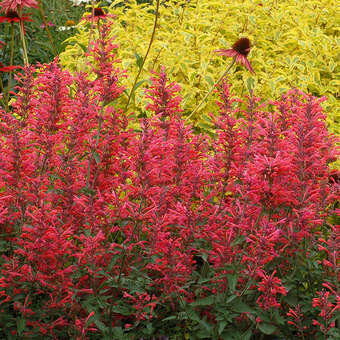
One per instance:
(207, 301)
(267, 328)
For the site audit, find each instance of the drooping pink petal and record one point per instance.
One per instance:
(239, 51)
(7, 5)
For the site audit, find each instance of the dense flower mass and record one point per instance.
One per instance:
(114, 226)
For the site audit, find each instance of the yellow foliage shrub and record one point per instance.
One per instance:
(295, 44)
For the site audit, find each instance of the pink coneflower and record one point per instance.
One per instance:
(239, 51)
(13, 5)
(97, 14)
(13, 16)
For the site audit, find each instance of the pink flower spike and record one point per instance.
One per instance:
(239, 51)
(9, 68)
(7, 5)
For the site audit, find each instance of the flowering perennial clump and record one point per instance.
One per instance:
(109, 232)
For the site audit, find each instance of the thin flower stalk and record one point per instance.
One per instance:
(239, 53)
(45, 24)
(23, 40)
(146, 54)
(212, 88)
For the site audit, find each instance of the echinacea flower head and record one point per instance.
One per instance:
(239, 51)
(98, 12)
(13, 16)
(14, 5)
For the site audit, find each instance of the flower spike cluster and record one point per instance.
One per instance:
(113, 232)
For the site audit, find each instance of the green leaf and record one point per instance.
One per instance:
(241, 307)
(207, 118)
(139, 83)
(192, 315)
(149, 328)
(123, 310)
(207, 301)
(97, 157)
(206, 325)
(279, 318)
(250, 84)
(247, 335)
(231, 298)
(21, 323)
(267, 328)
(232, 280)
(139, 60)
(205, 126)
(209, 80)
(118, 332)
(172, 317)
(82, 46)
(221, 326)
(99, 324)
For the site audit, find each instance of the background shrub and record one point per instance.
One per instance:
(295, 45)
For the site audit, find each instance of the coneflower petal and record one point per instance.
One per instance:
(239, 51)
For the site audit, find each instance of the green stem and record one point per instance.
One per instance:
(92, 22)
(2, 90)
(146, 54)
(212, 88)
(41, 10)
(94, 149)
(22, 36)
(10, 64)
(122, 264)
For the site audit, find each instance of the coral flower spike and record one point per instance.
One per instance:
(239, 51)
(13, 5)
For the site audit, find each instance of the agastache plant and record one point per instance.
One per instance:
(157, 232)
